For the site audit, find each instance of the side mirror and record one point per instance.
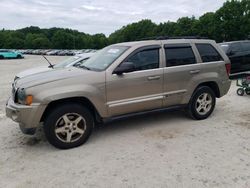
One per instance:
(125, 67)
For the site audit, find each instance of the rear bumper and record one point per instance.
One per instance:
(28, 117)
(225, 86)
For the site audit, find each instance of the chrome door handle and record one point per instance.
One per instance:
(194, 71)
(153, 78)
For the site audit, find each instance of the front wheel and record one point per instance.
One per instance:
(68, 126)
(202, 103)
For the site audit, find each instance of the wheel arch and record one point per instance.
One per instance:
(213, 85)
(78, 100)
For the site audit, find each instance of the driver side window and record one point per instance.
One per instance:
(145, 59)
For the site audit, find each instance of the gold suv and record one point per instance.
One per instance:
(121, 79)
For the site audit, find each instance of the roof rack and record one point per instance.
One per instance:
(176, 37)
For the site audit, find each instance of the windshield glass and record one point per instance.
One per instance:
(103, 58)
(224, 47)
(67, 62)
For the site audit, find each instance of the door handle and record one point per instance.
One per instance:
(153, 78)
(194, 71)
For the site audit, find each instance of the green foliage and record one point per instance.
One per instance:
(230, 22)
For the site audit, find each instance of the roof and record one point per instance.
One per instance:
(167, 41)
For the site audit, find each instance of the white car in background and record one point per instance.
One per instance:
(72, 61)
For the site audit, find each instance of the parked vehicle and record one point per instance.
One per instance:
(73, 61)
(239, 55)
(53, 52)
(8, 54)
(121, 80)
(244, 85)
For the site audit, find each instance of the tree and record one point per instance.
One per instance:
(63, 40)
(230, 22)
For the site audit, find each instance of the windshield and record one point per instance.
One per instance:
(67, 62)
(103, 58)
(224, 47)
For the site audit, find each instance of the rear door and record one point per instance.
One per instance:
(236, 56)
(9, 54)
(181, 68)
(246, 62)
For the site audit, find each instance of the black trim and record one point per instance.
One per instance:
(180, 45)
(158, 110)
(145, 48)
(140, 49)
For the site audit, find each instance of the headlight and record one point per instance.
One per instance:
(22, 98)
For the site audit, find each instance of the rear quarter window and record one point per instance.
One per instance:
(208, 53)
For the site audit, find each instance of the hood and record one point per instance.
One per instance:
(50, 76)
(33, 71)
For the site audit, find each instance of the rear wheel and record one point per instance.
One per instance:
(240, 91)
(1, 57)
(248, 91)
(202, 103)
(68, 126)
(19, 56)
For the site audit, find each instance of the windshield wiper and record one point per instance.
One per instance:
(84, 67)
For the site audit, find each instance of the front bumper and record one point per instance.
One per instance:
(28, 117)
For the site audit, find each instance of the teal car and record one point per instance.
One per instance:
(8, 54)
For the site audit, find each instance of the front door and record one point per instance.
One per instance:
(139, 90)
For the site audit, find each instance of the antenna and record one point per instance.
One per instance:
(50, 64)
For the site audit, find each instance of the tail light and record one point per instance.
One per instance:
(228, 68)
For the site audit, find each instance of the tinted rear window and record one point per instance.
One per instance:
(176, 56)
(208, 53)
(236, 47)
(246, 46)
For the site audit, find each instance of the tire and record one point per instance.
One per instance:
(1, 57)
(202, 103)
(73, 134)
(248, 91)
(19, 56)
(240, 91)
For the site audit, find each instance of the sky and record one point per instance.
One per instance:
(97, 16)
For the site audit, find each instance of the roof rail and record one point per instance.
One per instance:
(176, 37)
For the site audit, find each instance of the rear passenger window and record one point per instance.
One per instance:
(208, 53)
(236, 47)
(146, 59)
(246, 46)
(176, 56)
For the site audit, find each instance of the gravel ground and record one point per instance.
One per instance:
(158, 150)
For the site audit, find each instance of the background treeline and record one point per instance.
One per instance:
(230, 22)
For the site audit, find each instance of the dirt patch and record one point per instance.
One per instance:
(160, 134)
(244, 120)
